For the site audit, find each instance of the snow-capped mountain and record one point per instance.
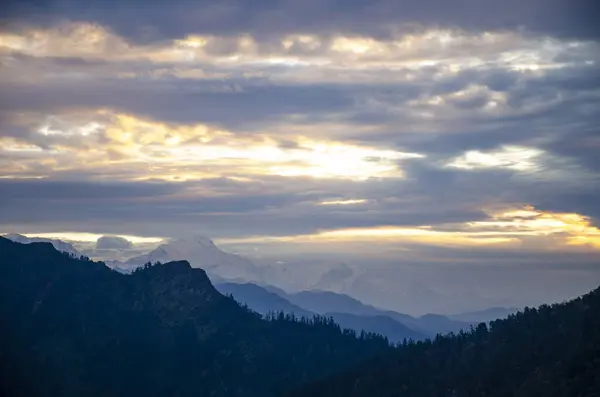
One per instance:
(201, 252)
(58, 244)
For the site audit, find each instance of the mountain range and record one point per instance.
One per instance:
(223, 268)
(264, 302)
(80, 328)
(347, 311)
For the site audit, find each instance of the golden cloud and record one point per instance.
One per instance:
(526, 228)
(130, 147)
(569, 228)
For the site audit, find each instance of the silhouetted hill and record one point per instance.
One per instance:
(72, 327)
(552, 351)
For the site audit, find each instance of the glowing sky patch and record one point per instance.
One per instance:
(343, 202)
(576, 228)
(509, 157)
(149, 150)
(92, 237)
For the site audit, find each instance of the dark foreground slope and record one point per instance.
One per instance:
(552, 351)
(71, 327)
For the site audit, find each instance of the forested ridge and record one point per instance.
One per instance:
(72, 327)
(553, 350)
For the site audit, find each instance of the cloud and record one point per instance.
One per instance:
(113, 242)
(406, 136)
(343, 202)
(510, 157)
(525, 228)
(139, 22)
(145, 149)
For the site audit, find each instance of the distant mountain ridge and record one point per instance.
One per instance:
(261, 300)
(223, 267)
(347, 311)
(323, 302)
(482, 316)
(394, 330)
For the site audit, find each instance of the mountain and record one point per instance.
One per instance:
(162, 331)
(201, 252)
(437, 324)
(58, 244)
(263, 301)
(484, 316)
(330, 302)
(325, 302)
(551, 351)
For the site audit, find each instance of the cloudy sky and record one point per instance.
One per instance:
(419, 132)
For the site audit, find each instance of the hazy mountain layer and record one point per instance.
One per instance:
(264, 301)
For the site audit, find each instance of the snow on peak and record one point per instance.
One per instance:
(201, 252)
(203, 240)
(193, 242)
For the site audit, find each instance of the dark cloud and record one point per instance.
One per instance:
(569, 192)
(554, 98)
(581, 146)
(143, 208)
(33, 190)
(155, 21)
(183, 101)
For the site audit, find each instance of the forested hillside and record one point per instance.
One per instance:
(72, 327)
(548, 351)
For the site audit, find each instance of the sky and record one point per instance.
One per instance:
(456, 139)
